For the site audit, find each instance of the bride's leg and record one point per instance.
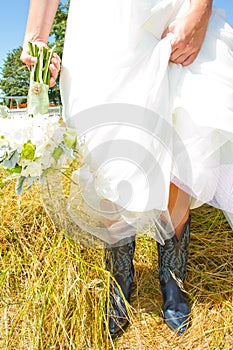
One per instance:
(172, 263)
(178, 206)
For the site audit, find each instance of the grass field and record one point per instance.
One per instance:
(53, 291)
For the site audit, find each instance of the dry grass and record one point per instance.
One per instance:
(53, 291)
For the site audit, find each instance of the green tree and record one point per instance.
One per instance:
(57, 38)
(59, 27)
(15, 75)
(15, 79)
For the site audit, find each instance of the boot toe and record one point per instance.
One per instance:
(118, 317)
(117, 326)
(176, 320)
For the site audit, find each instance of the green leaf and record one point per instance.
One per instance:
(11, 161)
(30, 181)
(16, 170)
(57, 153)
(20, 184)
(28, 151)
(70, 138)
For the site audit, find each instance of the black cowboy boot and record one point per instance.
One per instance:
(172, 269)
(119, 262)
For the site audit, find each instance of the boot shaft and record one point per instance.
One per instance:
(119, 262)
(173, 255)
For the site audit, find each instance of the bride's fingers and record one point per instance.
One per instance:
(54, 73)
(178, 55)
(189, 59)
(54, 69)
(52, 82)
(184, 58)
(28, 59)
(56, 61)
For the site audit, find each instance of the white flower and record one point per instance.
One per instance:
(47, 159)
(44, 133)
(32, 169)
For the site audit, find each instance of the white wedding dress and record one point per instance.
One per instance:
(143, 121)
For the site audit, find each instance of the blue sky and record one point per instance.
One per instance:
(13, 17)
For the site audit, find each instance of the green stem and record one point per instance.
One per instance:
(46, 68)
(32, 53)
(36, 48)
(40, 65)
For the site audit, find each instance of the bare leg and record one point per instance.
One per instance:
(178, 206)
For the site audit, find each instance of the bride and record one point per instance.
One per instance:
(147, 84)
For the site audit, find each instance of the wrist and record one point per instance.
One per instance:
(203, 8)
(199, 13)
(33, 38)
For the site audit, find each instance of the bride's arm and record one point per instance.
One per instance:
(40, 18)
(189, 32)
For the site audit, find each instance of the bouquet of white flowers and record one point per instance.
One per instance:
(33, 144)
(30, 147)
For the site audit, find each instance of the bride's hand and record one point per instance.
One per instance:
(189, 33)
(54, 65)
